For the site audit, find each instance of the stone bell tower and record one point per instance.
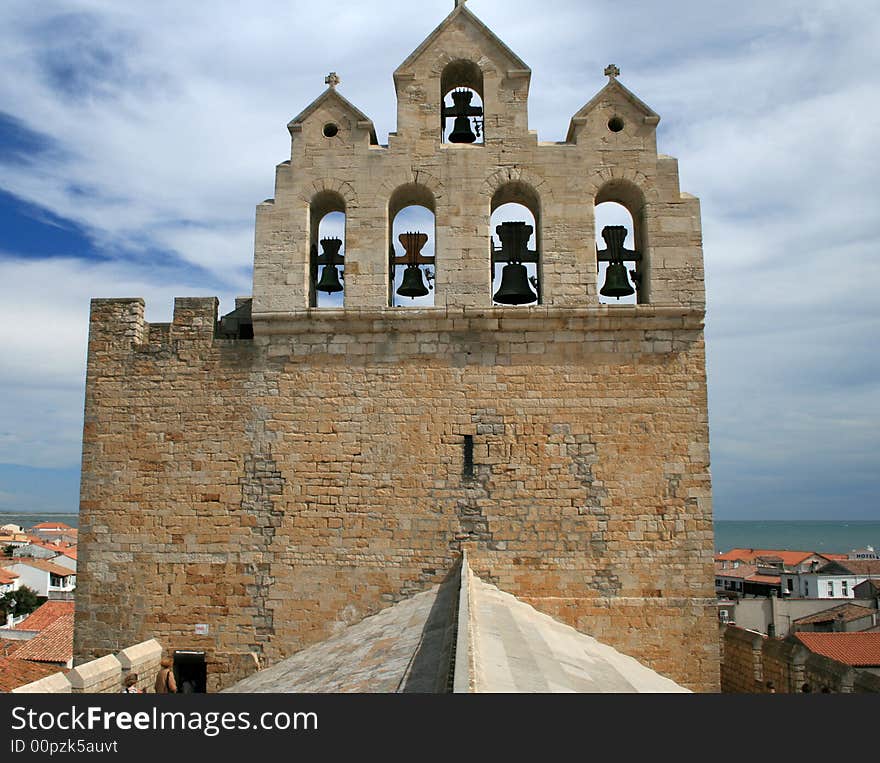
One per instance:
(389, 398)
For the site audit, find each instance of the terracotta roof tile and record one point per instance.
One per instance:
(8, 646)
(53, 644)
(743, 571)
(770, 579)
(7, 576)
(43, 616)
(46, 566)
(856, 649)
(849, 612)
(51, 526)
(15, 672)
(789, 558)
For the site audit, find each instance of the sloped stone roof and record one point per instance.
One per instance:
(518, 649)
(501, 644)
(404, 648)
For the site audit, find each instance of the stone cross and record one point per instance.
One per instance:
(459, 2)
(612, 71)
(332, 79)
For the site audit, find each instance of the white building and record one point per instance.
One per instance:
(44, 577)
(9, 581)
(835, 580)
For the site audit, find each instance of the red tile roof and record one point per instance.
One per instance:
(843, 612)
(43, 616)
(789, 558)
(770, 579)
(7, 576)
(856, 649)
(8, 646)
(53, 644)
(15, 672)
(46, 566)
(51, 526)
(743, 571)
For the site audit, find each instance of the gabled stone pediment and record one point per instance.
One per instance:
(462, 18)
(614, 93)
(331, 98)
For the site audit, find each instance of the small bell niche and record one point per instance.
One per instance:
(327, 216)
(515, 282)
(412, 236)
(462, 114)
(610, 214)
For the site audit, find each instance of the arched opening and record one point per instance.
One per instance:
(327, 250)
(412, 260)
(461, 98)
(515, 226)
(622, 277)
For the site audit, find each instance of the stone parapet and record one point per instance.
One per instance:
(54, 684)
(144, 660)
(101, 676)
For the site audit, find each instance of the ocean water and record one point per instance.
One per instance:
(29, 520)
(835, 537)
(830, 536)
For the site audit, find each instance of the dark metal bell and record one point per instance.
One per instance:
(461, 131)
(616, 282)
(329, 280)
(461, 128)
(412, 285)
(515, 289)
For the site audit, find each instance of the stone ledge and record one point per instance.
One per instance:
(89, 675)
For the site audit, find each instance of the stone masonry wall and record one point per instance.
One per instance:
(756, 664)
(278, 489)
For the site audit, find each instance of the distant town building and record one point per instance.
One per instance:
(44, 577)
(834, 580)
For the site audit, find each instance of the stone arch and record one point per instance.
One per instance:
(444, 58)
(331, 185)
(414, 177)
(508, 175)
(631, 179)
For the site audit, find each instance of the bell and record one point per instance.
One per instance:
(461, 128)
(329, 280)
(515, 289)
(616, 282)
(461, 131)
(412, 284)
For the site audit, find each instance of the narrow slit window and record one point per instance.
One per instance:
(468, 470)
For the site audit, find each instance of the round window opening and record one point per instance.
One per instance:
(330, 130)
(615, 124)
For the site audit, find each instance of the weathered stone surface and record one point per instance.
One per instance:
(280, 489)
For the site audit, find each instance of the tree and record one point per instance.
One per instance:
(26, 601)
(7, 550)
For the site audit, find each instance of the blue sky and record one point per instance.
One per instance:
(136, 139)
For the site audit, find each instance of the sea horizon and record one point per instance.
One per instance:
(832, 536)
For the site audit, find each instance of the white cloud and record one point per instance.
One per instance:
(167, 120)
